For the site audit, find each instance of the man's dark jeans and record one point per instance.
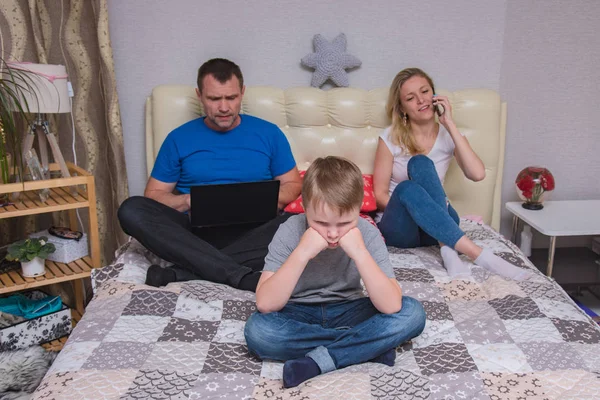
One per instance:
(222, 255)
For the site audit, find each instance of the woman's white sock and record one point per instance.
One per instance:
(456, 267)
(488, 260)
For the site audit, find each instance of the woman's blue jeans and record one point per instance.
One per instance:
(417, 213)
(335, 335)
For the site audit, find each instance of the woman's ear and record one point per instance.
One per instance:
(399, 109)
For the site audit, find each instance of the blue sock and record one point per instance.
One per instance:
(388, 358)
(302, 369)
(299, 370)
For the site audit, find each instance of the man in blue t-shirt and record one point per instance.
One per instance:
(222, 147)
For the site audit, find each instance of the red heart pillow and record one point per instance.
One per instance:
(368, 205)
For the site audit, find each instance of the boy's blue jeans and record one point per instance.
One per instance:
(417, 213)
(334, 335)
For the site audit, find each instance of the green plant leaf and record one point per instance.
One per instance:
(35, 246)
(30, 248)
(14, 83)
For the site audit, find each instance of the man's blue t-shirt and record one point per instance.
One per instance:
(193, 154)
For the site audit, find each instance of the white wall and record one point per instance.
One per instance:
(550, 79)
(542, 56)
(458, 43)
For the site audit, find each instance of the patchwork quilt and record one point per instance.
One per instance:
(486, 337)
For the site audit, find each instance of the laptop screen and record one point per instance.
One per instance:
(233, 203)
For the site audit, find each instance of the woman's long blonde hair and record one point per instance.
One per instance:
(401, 133)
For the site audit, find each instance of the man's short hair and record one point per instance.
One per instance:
(221, 69)
(334, 181)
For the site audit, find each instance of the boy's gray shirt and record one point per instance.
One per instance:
(331, 275)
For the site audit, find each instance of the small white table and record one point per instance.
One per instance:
(558, 218)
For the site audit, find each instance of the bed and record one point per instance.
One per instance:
(486, 337)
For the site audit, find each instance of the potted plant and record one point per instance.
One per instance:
(31, 253)
(14, 83)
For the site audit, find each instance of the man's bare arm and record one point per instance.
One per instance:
(163, 193)
(290, 187)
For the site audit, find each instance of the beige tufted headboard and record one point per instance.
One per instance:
(347, 122)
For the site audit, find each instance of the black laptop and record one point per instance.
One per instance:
(233, 204)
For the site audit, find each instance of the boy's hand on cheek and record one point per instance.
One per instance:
(352, 243)
(312, 243)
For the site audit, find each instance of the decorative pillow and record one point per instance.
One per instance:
(330, 61)
(368, 205)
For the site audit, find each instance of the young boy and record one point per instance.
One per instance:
(311, 309)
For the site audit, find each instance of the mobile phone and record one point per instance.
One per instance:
(439, 108)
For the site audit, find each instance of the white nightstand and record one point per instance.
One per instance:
(558, 218)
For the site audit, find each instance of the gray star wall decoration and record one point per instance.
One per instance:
(330, 61)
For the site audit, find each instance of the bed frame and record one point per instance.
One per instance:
(347, 122)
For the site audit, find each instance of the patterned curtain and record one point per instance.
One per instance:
(74, 33)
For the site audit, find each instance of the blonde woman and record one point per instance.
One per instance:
(413, 155)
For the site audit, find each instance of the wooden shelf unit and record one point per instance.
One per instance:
(66, 194)
(57, 344)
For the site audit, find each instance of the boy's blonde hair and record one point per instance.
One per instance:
(334, 181)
